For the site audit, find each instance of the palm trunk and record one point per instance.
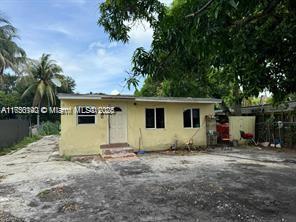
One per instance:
(38, 117)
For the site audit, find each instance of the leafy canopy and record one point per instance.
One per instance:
(243, 46)
(11, 55)
(40, 80)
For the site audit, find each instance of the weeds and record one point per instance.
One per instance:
(24, 142)
(49, 128)
(67, 158)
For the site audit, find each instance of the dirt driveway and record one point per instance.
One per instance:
(243, 184)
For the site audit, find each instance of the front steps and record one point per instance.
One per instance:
(119, 151)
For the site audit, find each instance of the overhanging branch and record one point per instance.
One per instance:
(203, 8)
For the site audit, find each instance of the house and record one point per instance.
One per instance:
(146, 123)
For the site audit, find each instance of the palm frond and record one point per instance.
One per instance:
(29, 90)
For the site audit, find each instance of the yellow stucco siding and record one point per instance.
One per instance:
(160, 139)
(86, 139)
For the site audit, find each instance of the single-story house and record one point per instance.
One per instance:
(146, 123)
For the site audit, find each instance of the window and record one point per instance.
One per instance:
(86, 115)
(117, 109)
(191, 118)
(155, 118)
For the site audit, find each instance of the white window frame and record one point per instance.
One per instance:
(191, 118)
(77, 116)
(164, 113)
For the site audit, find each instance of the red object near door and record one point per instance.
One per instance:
(223, 131)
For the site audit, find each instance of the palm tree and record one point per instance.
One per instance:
(11, 55)
(41, 79)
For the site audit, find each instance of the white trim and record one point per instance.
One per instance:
(178, 101)
(77, 115)
(140, 99)
(155, 128)
(191, 118)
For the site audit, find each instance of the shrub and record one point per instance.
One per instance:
(49, 128)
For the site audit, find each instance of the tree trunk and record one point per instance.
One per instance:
(38, 117)
(237, 108)
(237, 99)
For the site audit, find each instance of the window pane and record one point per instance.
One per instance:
(195, 114)
(117, 109)
(159, 117)
(86, 119)
(150, 118)
(187, 118)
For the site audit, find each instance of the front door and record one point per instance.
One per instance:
(118, 125)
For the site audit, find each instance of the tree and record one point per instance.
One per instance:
(67, 84)
(11, 55)
(8, 83)
(40, 81)
(248, 46)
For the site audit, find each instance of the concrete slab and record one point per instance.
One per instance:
(245, 184)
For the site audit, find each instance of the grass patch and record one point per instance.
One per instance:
(55, 193)
(67, 158)
(24, 142)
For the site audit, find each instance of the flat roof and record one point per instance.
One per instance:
(137, 98)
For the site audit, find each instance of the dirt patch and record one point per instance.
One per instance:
(7, 217)
(289, 161)
(86, 159)
(69, 207)
(250, 165)
(55, 193)
(185, 162)
(6, 190)
(230, 161)
(132, 168)
(2, 177)
(183, 152)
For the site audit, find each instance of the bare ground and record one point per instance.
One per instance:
(243, 184)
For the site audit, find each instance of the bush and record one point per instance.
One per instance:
(49, 128)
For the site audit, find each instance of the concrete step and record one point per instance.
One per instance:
(114, 145)
(118, 153)
(110, 151)
(120, 156)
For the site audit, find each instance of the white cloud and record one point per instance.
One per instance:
(114, 92)
(57, 28)
(61, 4)
(99, 44)
(141, 34)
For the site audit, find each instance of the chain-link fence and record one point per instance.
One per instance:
(283, 133)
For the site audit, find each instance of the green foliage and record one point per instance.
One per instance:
(229, 49)
(117, 16)
(40, 81)
(9, 100)
(67, 158)
(49, 128)
(68, 84)
(24, 142)
(11, 55)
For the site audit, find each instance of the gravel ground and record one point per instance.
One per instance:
(245, 184)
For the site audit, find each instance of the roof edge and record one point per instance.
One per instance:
(139, 99)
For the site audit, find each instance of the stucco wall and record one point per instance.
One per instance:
(238, 123)
(159, 139)
(86, 139)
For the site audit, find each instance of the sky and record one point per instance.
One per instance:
(68, 30)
